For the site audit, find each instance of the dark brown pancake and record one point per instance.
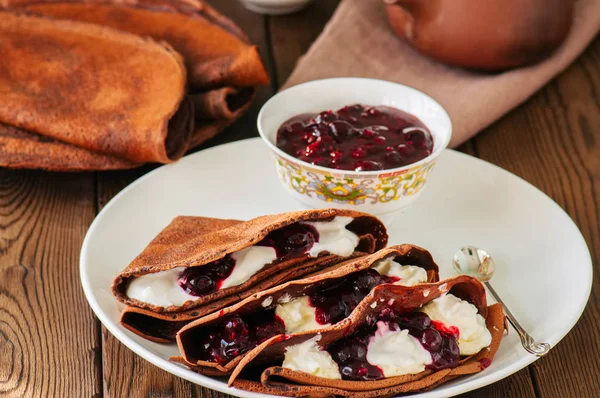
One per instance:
(93, 87)
(195, 251)
(403, 254)
(281, 381)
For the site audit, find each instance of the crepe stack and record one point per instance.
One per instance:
(110, 85)
(304, 321)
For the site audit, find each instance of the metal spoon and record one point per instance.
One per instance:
(478, 263)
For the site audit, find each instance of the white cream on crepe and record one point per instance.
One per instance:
(248, 262)
(408, 275)
(334, 237)
(309, 358)
(299, 315)
(161, 288)
(396, 352)
(452, 311)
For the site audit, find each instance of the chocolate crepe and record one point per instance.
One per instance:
(254, 305)
(165, 253)
(162, 327)
(223, 68)
(281, 381)
(23, 149)
(216, 51)
(103, 90)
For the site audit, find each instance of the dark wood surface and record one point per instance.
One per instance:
(51, 345)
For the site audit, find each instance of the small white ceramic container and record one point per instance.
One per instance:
(275, 7)
(373, 192)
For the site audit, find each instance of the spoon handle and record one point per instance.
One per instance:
(528, 342)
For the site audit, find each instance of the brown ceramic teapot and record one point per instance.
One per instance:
(483, 34)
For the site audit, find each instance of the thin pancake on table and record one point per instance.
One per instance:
(223, 68)
(100, 89)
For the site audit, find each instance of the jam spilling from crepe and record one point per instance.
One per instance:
(335, 301)
(357, 137)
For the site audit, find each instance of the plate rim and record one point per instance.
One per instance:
(217, 385)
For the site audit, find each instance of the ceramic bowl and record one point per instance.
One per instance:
(275, 7)
(374, 192)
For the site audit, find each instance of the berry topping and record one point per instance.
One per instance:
(350, 353)
(334, 301)
(206, 279)
(378, 137)
(291, 240)
(236, 336)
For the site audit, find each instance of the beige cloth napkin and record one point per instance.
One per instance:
(358, 41)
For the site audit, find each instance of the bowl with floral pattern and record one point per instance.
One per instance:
(372, 191)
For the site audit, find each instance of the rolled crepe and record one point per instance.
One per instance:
(279, 380)
(93, 87)
(191, 251)
(223, 68)
(291, 298)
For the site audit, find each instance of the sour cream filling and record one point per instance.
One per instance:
(334, 237)
(161, 288)
(248, 261)
(452, 311)
(409, 275)
(396, 352)
(308, 357)
(298, 315)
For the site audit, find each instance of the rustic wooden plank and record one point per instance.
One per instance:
(292, 35)
(49, 342)
(553, 141)
(126, 374)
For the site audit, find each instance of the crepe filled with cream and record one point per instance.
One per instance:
(182, 276)
(215, 344)
(399, 339)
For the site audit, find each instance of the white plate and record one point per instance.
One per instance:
(537, 248)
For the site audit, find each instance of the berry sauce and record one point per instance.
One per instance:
(356, 137)
(199, 281)
(237, 335)
(334, 301)
(288, 241)
(350, 353)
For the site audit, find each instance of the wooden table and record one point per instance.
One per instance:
(51, 345)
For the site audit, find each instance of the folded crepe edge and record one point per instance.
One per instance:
(21, 149)
(223, 103)
(296, 288)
